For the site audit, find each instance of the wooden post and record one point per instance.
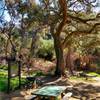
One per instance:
(52, 98)
(19, 73)
(9, 75)
(38, 98)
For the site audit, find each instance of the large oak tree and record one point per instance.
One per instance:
(66, 19)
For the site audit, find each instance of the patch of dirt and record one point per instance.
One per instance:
(81, 90)
(86, 90)
(38, 64)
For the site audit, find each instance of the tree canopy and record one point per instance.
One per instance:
(68, 21)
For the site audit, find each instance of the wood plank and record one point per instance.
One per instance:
(38, 98)
(52, 98)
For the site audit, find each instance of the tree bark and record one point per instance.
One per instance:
(69, 60)
(33, 45)
(60, 65)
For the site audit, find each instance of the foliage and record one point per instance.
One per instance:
(46, 49)
(93, 74)
(39, 73)
(4, 79)
(4, 67)
(73, 18)
(3, 84)
(3, 73)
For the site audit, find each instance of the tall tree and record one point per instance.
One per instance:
(66, 19)
(68, 16)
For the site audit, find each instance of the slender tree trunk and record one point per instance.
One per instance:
(34, 43)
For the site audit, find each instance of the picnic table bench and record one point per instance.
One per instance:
(51, 92)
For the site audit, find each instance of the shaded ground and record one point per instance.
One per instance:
(86, 91)
(82, 90)
(38, 64)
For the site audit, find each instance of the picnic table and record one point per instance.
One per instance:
(51, 92)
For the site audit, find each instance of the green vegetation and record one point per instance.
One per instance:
(61, 33)
(82, 79)
(3, 83)
(46, 49)
(14, 81)
(4, 79)
(4, 67)
(93, 74)
(39, 73)
(89, 79)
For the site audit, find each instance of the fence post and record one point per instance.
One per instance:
(9, 75)
(19, 73)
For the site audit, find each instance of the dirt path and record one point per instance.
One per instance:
(86, 90)
(82, 90)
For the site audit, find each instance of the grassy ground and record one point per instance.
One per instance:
(84, 78)
(94, 74)
(82, 88)
(3, 84)
(4, 81)
(14, 82)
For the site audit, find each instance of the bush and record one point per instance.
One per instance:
(46, 49)
(3, 84)
(93, 67)
(39, 73)
(4, 67)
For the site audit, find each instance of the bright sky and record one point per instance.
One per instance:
(5, 14)
(7, 17)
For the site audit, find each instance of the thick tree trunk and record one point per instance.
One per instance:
(60, 65)
(69, 60)
(56, 30)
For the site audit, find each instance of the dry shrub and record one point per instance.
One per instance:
(93, 67)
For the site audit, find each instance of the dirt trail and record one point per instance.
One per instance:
(82, 90)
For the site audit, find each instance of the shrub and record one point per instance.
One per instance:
(4, 67)
(3, 84)
(93, 67)
(39, 73)
(46, 49)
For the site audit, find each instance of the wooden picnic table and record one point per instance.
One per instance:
(51, 92)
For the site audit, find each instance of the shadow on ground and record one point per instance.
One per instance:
(85, 91)
(12, 96)
(80, 90)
